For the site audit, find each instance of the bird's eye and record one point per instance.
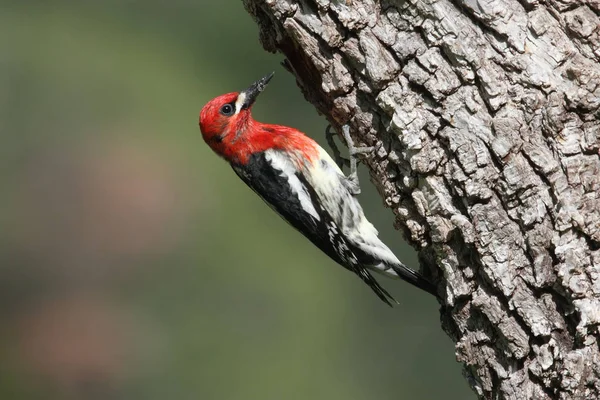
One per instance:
(227, 110)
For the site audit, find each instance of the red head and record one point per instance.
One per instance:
(228, 128)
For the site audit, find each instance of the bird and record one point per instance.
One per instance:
(301, 182)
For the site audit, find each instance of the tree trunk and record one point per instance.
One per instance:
(485, 114)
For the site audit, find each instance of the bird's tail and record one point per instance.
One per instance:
(376, 287)
(414, 278)
(396, 271)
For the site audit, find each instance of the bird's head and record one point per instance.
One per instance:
(224, 119)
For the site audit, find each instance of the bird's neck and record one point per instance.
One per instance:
(256, 137)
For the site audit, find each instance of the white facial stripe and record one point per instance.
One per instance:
(239, 102)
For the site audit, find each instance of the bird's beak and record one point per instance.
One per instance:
(249, 95)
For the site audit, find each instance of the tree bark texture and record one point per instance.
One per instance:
(485, 115)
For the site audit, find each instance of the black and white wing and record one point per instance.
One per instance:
(272, 175)
(337, 195)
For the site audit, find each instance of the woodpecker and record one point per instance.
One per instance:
(303, 184)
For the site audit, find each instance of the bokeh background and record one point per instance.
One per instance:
(133, 262)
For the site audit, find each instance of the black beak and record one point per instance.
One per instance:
(254, 90)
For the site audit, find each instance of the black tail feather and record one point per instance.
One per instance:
(376, 287)
(415, 279)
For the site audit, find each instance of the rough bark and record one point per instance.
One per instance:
(485, 114)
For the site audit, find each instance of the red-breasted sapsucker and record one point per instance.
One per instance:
(303, 184)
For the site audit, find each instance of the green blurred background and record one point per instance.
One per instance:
(135, 264)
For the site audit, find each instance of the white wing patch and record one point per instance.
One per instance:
(282, 163)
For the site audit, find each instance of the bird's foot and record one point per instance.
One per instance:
(352, 179)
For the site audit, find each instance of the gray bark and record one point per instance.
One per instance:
(485, 114)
